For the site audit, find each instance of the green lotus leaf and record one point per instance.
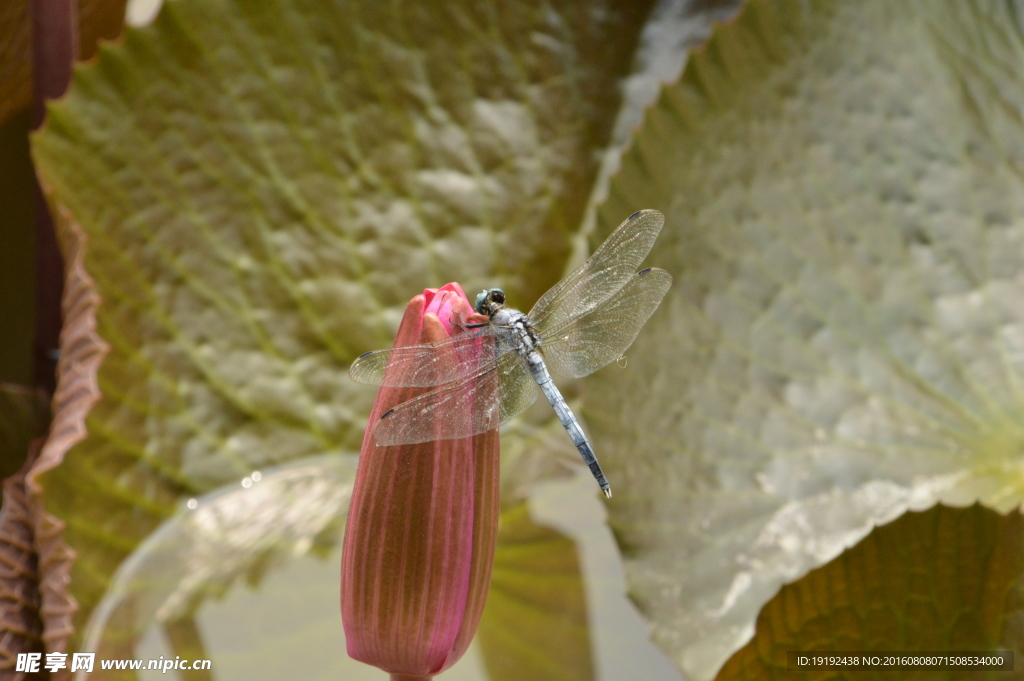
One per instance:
(941, 580)
(844, 339)
(213, 541)
(264, 187)
(535, 623)
(537, 600)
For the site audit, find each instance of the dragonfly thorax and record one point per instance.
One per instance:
(526, 338)
(491, 302)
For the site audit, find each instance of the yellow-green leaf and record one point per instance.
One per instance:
(265, 185)
(535, 623)
(945, 579)
(844, 340)
(211, 542)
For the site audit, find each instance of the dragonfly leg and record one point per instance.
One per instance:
(459, 323)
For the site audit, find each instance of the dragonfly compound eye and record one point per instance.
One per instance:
(480, 299)
(489, 298)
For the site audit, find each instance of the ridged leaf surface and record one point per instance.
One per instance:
(844, 340)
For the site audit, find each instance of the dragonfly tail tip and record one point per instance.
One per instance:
(607, 493)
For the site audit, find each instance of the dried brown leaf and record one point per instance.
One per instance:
(82, 351)
(15, 58)
(945, 579)
(20, 626)
(97, 19)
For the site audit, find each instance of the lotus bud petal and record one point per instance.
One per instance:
(421, 530)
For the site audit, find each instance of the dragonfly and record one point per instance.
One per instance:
(489, 374)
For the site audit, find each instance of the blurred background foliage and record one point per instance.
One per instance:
(254, 190)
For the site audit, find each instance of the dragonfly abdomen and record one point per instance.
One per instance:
(568, 419)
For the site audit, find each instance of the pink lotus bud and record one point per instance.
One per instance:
(422, 526)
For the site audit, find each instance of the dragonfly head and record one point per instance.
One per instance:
(489, 301)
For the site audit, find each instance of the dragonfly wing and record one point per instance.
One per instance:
(422, 366)
(460, 409)
(607, 270)
(584, 345)
(516, 388)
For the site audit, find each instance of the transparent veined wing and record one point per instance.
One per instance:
(583, 345)
(443, 361)
(608, 269)
(463, 408)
